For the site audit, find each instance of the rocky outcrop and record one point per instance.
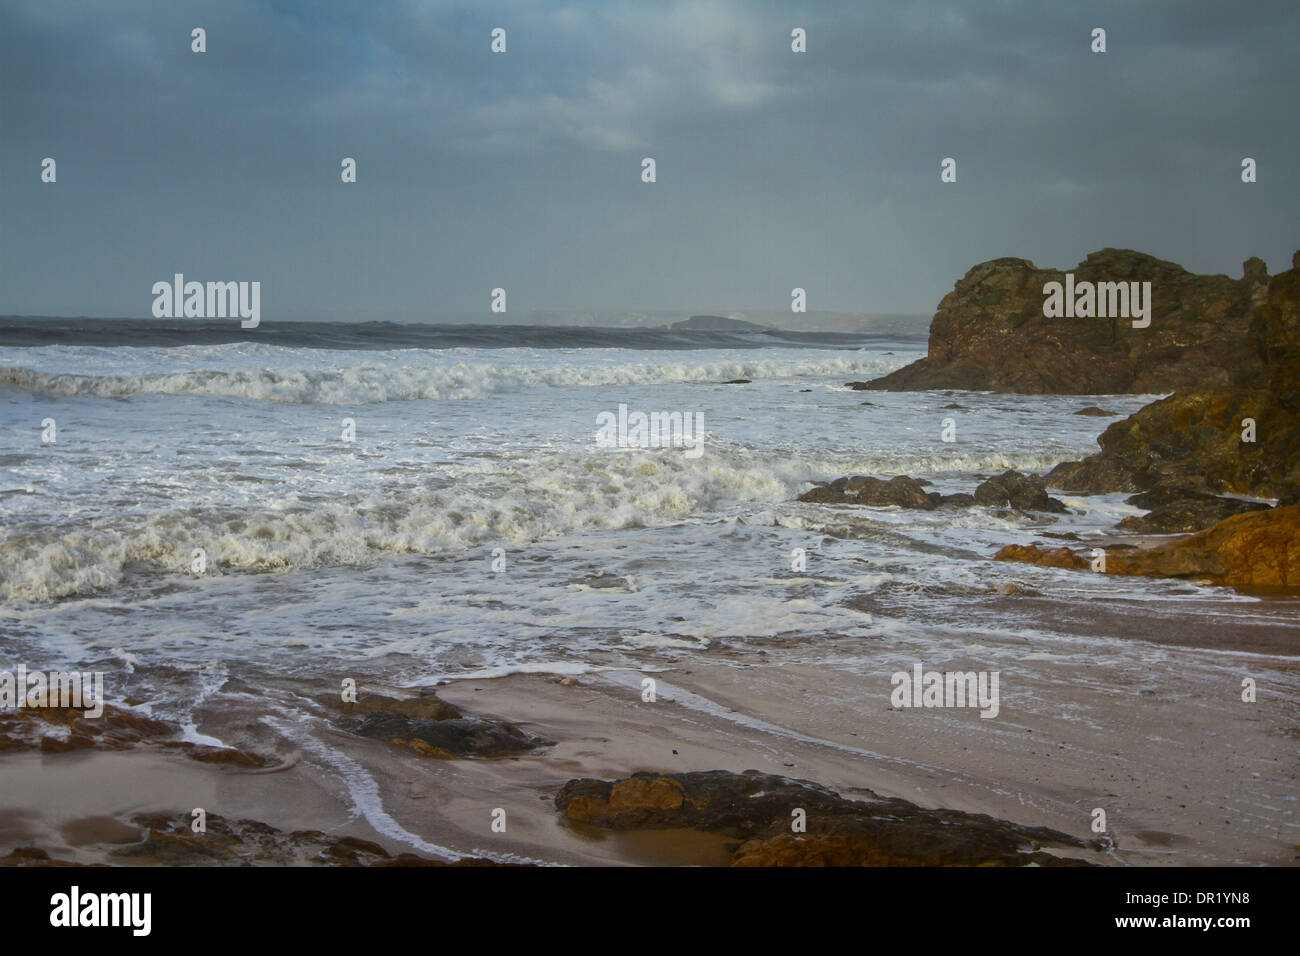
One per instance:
(756, 809)
(990, 332)
(1194, 440)
(1257, 550)
(431, 727)
(1011, 489)
(1243, 438)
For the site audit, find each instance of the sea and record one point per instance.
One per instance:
(197, 509)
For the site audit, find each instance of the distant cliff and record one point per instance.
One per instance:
(990, 332)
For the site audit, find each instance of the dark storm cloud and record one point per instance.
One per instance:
(522, 170)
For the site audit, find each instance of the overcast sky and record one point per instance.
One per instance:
(523, 170)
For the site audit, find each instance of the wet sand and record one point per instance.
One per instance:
(1154, 734)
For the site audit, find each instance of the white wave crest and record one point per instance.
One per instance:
(473, 505)
(416, 379)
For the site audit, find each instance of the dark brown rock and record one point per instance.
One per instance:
(55, 730)
(169, 840)
(901, 491)
(31, 856)
(1178, 511)
(990, 332)
(1194, 440)
(426, 706)
(454, 737)
(430, 726)
(756, 809)
(1008, 490)
(1011, 489)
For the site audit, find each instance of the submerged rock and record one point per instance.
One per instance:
(756, 809)
(168, 840)
(431, 727)
(454, 737)
(426, 706)
(67, 729)
(958, 500)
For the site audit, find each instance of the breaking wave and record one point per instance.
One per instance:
(412, 381)
(471, 505)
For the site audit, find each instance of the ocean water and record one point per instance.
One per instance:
(476, 527)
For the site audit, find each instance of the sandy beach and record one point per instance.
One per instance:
(1186, 777)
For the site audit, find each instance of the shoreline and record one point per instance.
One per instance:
(1047, 761)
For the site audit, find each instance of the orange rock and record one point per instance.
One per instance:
(1259, 549)
(1048, 557)
(658, 793)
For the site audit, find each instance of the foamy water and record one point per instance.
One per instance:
(380, 553)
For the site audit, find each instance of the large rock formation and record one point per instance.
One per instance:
(1200, 439)
(1195, 440)
(757, 808)
(990, 332)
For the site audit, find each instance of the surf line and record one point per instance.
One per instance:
(363, 791)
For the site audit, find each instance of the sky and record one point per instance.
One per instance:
(523, 170)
